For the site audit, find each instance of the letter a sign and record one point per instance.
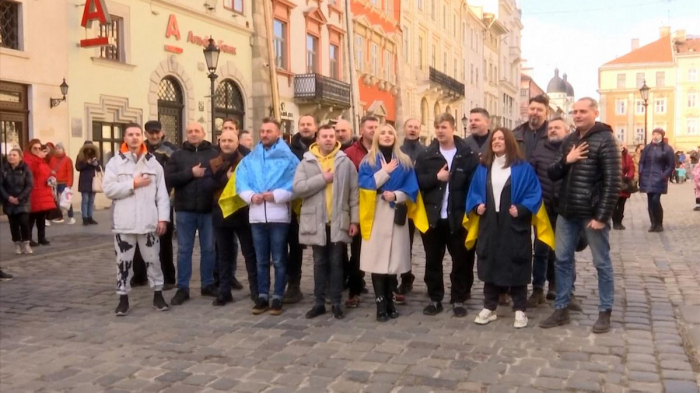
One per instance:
(95, 10)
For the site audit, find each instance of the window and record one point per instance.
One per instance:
(311, 54)
(693, 75)
(485, 76)
(421, 56)
(229, 104)
(374, 60)
(523, 92)
(476, 77)
(640, 79)
(471, 74)
(170, 108)
(433, 57)
(692, 126)
(660, 79)
(445, 21)
(359, 53)
(620, 133)
(14, 117)
(639, 133)
(419, 4)
(620, 107)
(432, 9)
(280, 43)
(444, 62)
(692, 100)
(406, 44)
(454, 25)
(455, 74)
(375, 3)
(113, 31)
(107, 137)
(234, 5)
(621, 81)
(390, 8)
(333, 54)
(660, 105)
(387, 65)
(639, 107)
(9, 25)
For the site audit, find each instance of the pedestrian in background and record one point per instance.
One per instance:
(628, 187)
(696, 180)
(246, 140)
(41, 197)
(15, 189)
(387, 183)
(62, 166)
(656, 166)
(87, 163)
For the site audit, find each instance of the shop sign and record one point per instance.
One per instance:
(95, 10)
(173, 30)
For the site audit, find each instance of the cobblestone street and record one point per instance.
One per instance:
(59, 332)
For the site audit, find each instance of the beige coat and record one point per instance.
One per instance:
(388, 250)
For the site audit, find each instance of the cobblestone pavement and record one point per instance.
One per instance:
(58, 331)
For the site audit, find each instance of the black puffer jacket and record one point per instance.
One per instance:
(462, 170)
(16, 182)
(590, 187)
(299, 145)
(541, 160)
(193, 195)
(412, 148)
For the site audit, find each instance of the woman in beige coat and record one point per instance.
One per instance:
(387, 183)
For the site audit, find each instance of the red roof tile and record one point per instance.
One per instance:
(657, 52)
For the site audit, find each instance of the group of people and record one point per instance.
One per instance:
(478, 198)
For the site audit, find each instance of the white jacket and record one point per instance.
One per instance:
(278, 211)
(136, 211)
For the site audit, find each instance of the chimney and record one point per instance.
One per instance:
(635, 43)
(664, 32)
(680, 36)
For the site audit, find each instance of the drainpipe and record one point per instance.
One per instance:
(351, 67)
(274, 87)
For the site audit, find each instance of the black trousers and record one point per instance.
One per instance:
(19, 227)
(492, 292)
(435, 240)
(619, 211)
(40, 219)
(354, 273)
(328, 270)
(166, 258)
(296, 252)
(656, 211)
(226, 257)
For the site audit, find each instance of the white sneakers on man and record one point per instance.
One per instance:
(520, 320)
(485, 316)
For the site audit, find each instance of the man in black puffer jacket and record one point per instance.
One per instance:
(185, 172)
(588, 163)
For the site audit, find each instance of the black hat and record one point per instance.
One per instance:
(153, 126)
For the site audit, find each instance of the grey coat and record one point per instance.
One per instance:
(311, 188)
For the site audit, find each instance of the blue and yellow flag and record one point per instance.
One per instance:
(401, 179)
(525, 190)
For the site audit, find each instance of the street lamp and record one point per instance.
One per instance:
(465, 123)
(644, 92)
(64, 91)
(211, 56)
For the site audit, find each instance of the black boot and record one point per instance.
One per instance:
(602, 325)
(652, 218)
(159, 303)
(123, 307)
(551, 291)
(558, 318)
(391, 308)
(293, 294)
(659, 221)
(382, 315)
(536, 298)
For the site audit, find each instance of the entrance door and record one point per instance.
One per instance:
(14, 116)
(170, 106)
(228, 105)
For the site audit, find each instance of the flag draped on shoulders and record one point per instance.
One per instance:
(525, 191)
(260, 171)
(401, 179)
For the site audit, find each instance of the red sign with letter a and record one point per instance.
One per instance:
(95, 10)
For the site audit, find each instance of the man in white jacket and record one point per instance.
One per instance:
(135, 183)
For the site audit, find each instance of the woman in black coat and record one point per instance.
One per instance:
(655, 169)
(87, 163)
(16, 182)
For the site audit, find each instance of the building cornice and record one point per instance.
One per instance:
(194, 13)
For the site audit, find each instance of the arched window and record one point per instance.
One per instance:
(449, 110)
(424, 112)
(170, 106)
(229, 104)
(437, 110)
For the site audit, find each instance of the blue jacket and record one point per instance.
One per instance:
(655, 168)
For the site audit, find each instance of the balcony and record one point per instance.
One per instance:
(450, 84)
(315, 88)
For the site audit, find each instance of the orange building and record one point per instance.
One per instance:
(375, 45)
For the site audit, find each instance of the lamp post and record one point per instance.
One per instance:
(64, 91)
(644, 92)
(211, 56)
(465, 122)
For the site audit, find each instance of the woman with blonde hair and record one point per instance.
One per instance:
(388, 185)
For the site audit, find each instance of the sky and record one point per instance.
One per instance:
(578, 37)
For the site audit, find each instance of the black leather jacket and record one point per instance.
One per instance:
(590, 187)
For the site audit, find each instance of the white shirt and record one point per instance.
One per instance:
(449, 155)
(499, 178)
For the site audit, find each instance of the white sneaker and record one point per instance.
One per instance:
(48, 223)
(58, 221)
(18, 248)
(520, 320)
(485, 316)
(71, 221)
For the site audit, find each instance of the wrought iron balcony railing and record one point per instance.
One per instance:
(447, 82)
(321, 89)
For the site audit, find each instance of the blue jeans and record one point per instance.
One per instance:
(271, 240)
(87, 204)
(187, 226)
(567, 234)
(59, 190)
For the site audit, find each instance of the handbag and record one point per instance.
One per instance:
(629, 186)
(400, 214)
(97, 180)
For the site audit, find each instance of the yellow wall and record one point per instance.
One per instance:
(687, 61)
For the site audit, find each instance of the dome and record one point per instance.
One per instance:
(569, 88)
(556, 84)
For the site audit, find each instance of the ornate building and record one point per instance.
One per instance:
(561, 96)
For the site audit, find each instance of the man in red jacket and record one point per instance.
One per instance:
(62, 166)
(356, 153)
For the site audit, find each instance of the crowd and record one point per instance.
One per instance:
(356, 205)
